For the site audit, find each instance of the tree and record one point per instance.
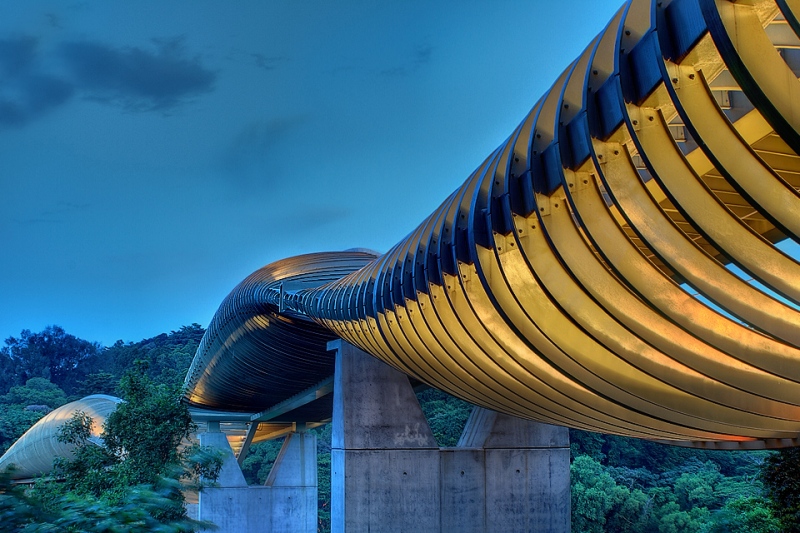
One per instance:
(168, 355)
(14, 421)
(98, 383)
(446, 415)
(696, 488)
(147, 429)
(52, 354)
(781, 477)
(36, 392)
(141, 451)
(746, 514)
(596, 496)
(259, 461)
(24, 405)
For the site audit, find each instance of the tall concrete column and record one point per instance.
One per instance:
(384, 458)
(230, 475)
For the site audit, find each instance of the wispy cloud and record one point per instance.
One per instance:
(257, 59)
(26, 92)
(36, 82)
(258, 147)
(419, 58)
(17, 54)
(135, 78)
(58, 213)
(266, 62)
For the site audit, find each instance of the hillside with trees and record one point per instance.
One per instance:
(618, 484)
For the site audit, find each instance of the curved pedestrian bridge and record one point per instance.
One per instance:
(624, 262)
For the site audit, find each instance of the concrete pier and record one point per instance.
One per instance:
(508, 474)
(388, 474)
(384, 458)
(287, 503)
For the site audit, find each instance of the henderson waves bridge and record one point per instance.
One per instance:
(618, 265)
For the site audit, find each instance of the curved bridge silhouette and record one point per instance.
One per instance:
(612, 266)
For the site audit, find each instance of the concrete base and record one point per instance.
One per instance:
(388, 474)
(286, 504)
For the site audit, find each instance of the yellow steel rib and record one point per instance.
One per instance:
(684, 256)
(713, 219)
(773, 80)
(733, 155)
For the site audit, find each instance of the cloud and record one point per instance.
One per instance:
(26, 92)
(137, 79)
(59, 213)
(419, 58)
(131, 77)
(257, 59)
(422, 55)
(54, 21)
(266, 62)
(17, 54)
(256, 150)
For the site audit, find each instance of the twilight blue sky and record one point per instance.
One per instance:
(154, 153)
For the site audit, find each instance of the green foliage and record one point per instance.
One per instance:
(659, 458)
(745, 514)
(691, 497)
(324, 434)
(618, 484)
(696, 488)
(14, 421)
(168, 356)
(446, 415)
(324, 492)
(136, 511)
(598, 499)
(259, 461)
(133, 483)
(781, 477)
(52, 354)
(140, 457)
(36, 391)
(147, 428)
(98, 383)
(24, 405)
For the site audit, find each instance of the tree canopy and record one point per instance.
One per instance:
(52, 354)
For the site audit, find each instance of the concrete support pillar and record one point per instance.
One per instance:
(230, 475)
(388, 474)
(287, 503)
(384, 458)
(507, 474)
(293, 484)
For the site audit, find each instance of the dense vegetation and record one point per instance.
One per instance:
(618, 484)
(134, 481)
(628, 485)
